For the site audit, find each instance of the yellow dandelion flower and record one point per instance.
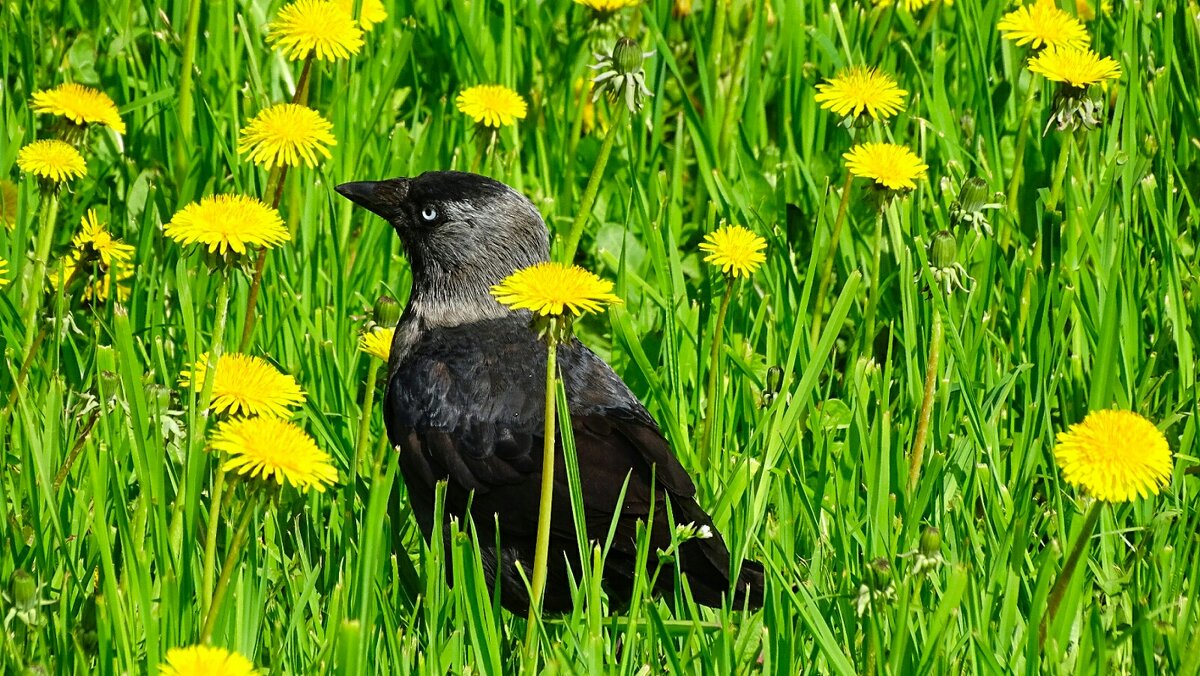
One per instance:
(370, 12)
(205, 660)
(607, 6)
(1041, 24)
(79, 104)
(860, 89)
(320, 26)
(554, 289)
(227, 222)
(1076, 67)
(286, 134)
(93, 234)
(1115, 456)
(108, 280)
(893, 166)
(8, 203)
(246, 385)
(377, 343)
(910, 5)
(4, 280)
(734, 249)
(272, 448)
(52, 160)
(492, 105)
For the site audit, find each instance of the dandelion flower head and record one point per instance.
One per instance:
(1076, 67)
(52, 160)
(246, 385)
(315, 26)
(286, 134)
(553, 290)
(1043, 24)
(892, 166)
(205, 660)
(93, 234)
(1116, 456)
(860, 89)
(227, 223)
(79, 104)
(377, 342)
(272, 449)
(370, 12)
(736, 250)
(607, 6)
(492, 105)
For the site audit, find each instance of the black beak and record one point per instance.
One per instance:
(380, 197)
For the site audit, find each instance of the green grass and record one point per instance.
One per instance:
(1091, 309)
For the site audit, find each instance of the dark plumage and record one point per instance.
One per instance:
(465, 400)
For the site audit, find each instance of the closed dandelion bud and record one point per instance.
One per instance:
(879, 574)
(943, 250)
(973, 196)
(386, 312)
(1149, 145)
(24, 589)
(627, 56)
(773, 384)
(931, 541)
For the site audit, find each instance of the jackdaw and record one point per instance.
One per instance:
(465, 397)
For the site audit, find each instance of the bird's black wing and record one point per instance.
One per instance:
(466, 405)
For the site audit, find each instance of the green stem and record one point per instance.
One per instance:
(364, 423)
(275, 181)
(542, 547)
(1068, 570)
(714, 363)
(936, 333)
(1014, 183)
(186, 112)
(210, 371)
(1060, 171)
(210, 540)
(41, 256)
(873, 296)
(235, 551)
(593, 185)
(827, 267)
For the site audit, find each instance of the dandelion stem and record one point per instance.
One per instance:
(827, 268)
(1068, 569)
(186, 108)
(1014, 183)
(41, 256)
(364, 423)
(936, 333)
(198, 434)
(210, 541)
(873, 296)
(593, 186)
(1060, 172)
(235, 551)
(714, 367)
(542, 547)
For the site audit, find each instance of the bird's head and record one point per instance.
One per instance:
(462, 234)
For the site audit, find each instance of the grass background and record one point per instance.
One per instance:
(1091, 309)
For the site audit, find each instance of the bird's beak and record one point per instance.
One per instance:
(381, 197)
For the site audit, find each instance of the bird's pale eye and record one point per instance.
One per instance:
(429, 214)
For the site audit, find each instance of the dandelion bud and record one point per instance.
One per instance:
(931, 541)
(24, 589)
(943, 250)
(879, 574)
(966, 123)
(627, 56)
(386, 312)
(973, 196)
(772, 386)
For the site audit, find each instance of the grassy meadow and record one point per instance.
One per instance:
(1078, 295)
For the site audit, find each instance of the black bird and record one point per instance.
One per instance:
(465, 397)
